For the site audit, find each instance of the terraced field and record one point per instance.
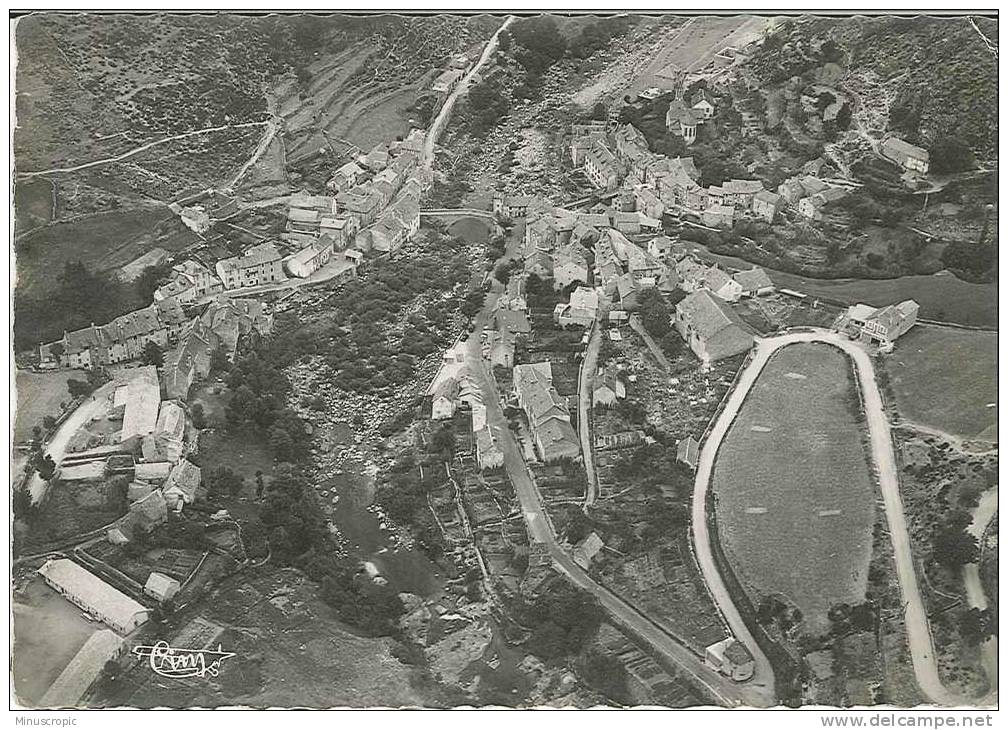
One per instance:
(794, 497)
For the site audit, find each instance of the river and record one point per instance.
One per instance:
(409, 571)
(941, 296)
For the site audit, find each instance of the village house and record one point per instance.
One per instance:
(688, 452)
(510, 206)
(754, 282)
(546, 412)
(682, 121)
(93, 595)
(342, 230)
(607, 388)
(660, 247)
(586, 550)
(881, 326)
(304, 221)
(167, 441)
(908, 156)
(360, 202)
(602, 167)
(590, 126)
(261, 264)
(718, 216)
(161, 587)
(648, 203)
(447, 80)
(376, 159)
(710, 327)
(795, 188)
(344, 178)
(569, 266)
(397, 225)
(814, 207)
(181, 485)
(730, 658)
(581, 146)
(499, 348)
(739, 193)
(702, 106)
(513, 298)
(311, 258)
(581, 310)
(765, 205)
(444, 398)
(488, 453)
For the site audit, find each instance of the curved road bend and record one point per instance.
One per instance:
(917, 626)
(724, 690)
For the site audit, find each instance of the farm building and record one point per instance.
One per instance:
(83, 670)
(160, 587)
(710, 327)
(93, 595)
(730, 658)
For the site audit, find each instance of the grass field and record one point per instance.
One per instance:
(242, 453)
(39, 395)
(795, 502)
(946, 379)
(33, 204)
(100, 241)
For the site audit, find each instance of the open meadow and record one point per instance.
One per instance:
(39, 395)
(946, 379)
(794, 497)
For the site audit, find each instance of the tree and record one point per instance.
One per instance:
(46, 467)
(951, 154)
(153, 354)
(978, 625)
(36, 433)
(281, 443)
(504, 41)
(198, 417)
(57, 350)
(951, 545)
(219, 361)
(79, 388)
(48, 423)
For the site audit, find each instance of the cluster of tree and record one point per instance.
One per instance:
(84, 388)
(222, 482)
(845, 618)
(786, 53)
(486, 105)
(949, 155)
(951, 545)
(403, 491)
(562, 619)
(259, 390)
(656, 313)
(978, 625)
(153, 354)
(504, 270)
(79, 298)
(772, 610)
(496, 247)
(539, 44)
(597, 34)
(605, 673)
(667, 486)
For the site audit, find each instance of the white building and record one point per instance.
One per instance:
(93, 595)
(161, 587)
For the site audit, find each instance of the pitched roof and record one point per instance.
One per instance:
(753, 279)
(765, 196)
(184, 477)
(897, 149)
(708, 315)
(742, 187)
(83, 670)
(116, 608)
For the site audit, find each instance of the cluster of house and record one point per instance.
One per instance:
(654, 184)
(623, 269)
(704, 318)
(546, 411)
(810, 196)
(454, 387)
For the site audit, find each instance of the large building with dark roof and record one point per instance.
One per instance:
(710, 327)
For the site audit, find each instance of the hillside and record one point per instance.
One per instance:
(924, 78)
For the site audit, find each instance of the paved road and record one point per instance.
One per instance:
(722, 689)
(446, 109)
(917, 626)
(588, 367)
(982, 515)
(57, 445)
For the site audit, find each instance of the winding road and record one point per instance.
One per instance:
(917, 626)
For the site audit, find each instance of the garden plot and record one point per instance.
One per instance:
(794, 497)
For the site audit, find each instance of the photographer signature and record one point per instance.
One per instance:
(181, 663)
